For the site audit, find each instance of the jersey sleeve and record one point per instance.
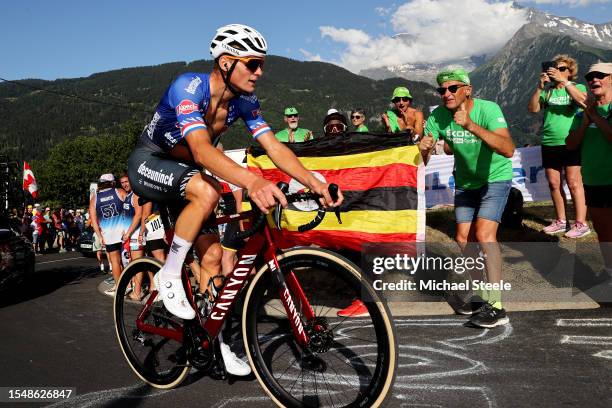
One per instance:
(495, 118)
(185, 98)
(250, 112)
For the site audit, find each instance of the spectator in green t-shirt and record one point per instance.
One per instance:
(591, 131)
(560, 102)
(477, 134)
(403, 116)
(292, 133)
(358, 118)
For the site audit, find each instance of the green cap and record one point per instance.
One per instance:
(290, 111)
(453, 75)
(401, 91)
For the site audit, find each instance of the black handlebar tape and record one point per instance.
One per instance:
(313, 224)
(333, 192)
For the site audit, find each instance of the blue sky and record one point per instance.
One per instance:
(66, 39)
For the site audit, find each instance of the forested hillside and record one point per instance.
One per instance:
(36, 115)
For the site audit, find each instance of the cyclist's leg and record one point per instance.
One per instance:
(158, 178)
(202, 195)
(209, 252)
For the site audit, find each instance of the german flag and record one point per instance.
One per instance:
(381, 181)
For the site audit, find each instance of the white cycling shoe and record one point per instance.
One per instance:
(172, 293)
(234, 365)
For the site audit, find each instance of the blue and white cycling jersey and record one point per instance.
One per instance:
(128, 216)
(109, 209)
(183, 105)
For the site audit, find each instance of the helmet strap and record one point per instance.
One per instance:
(227, 76)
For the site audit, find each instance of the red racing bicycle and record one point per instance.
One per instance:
(302, 354)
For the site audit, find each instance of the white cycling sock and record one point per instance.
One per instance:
(176, 257)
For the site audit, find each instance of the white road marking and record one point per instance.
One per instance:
(595, 340)
(59, 260)
(601, 322)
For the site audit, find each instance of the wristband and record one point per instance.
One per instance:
(567, 83)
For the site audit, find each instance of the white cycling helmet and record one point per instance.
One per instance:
(238, 40)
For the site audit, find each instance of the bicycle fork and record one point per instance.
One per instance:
(287, 287)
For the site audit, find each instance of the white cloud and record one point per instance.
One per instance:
(382, 11)
(571, 3)
(432, 31)
(310, 56)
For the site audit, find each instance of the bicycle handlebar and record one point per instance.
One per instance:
(259, 217)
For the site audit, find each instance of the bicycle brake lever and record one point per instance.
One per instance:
(278, 208)
(333, 192)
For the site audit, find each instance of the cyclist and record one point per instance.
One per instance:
(180, 140)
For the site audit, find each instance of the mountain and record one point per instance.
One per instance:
(538, 22)
(594, 35)
(510, 78)
(37, 114)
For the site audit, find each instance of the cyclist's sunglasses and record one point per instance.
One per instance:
(251, 63)
(356, 116)
(403, 99)
(334, 128)
(452, 89)
(591, 76)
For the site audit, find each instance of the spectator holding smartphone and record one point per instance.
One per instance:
(592, 133)
(560, 101)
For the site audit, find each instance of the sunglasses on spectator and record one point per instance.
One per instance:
(334, 128)
(403, 99)
(452, 89)
(591, 76)
(251, 63)
(292, 116)
(562, 69)
(356, 116)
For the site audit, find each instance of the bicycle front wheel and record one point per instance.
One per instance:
(350, 361)
(156, 359)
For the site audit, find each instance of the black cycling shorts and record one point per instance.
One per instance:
(113, 247)
(157, 177)
(155, 244)
(557, 157)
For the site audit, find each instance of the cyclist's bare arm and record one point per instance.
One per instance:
(93, 217)
(286, 160)
(262, 192)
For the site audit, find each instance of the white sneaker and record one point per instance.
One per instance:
(172, 293)
(234, 365)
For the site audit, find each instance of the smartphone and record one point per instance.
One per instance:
(548, 64)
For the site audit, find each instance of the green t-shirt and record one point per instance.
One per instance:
(475, 162)
(299, 134)
(362, 128)
(393, 122)
(558, 115)
(596, 151)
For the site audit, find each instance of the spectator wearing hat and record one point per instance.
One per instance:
(591, 131)
(292, 133)
(560, 102)
(105, 210)
(403, 116)
(477, 133)
(358, 118)
(334, 123)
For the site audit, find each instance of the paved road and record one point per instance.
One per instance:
(58, 331)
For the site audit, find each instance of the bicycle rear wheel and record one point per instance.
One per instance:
(349, 361)
(156, 359)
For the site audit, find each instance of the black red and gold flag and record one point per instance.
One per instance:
(382, 184)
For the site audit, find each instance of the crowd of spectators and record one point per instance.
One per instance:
(49, 230)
